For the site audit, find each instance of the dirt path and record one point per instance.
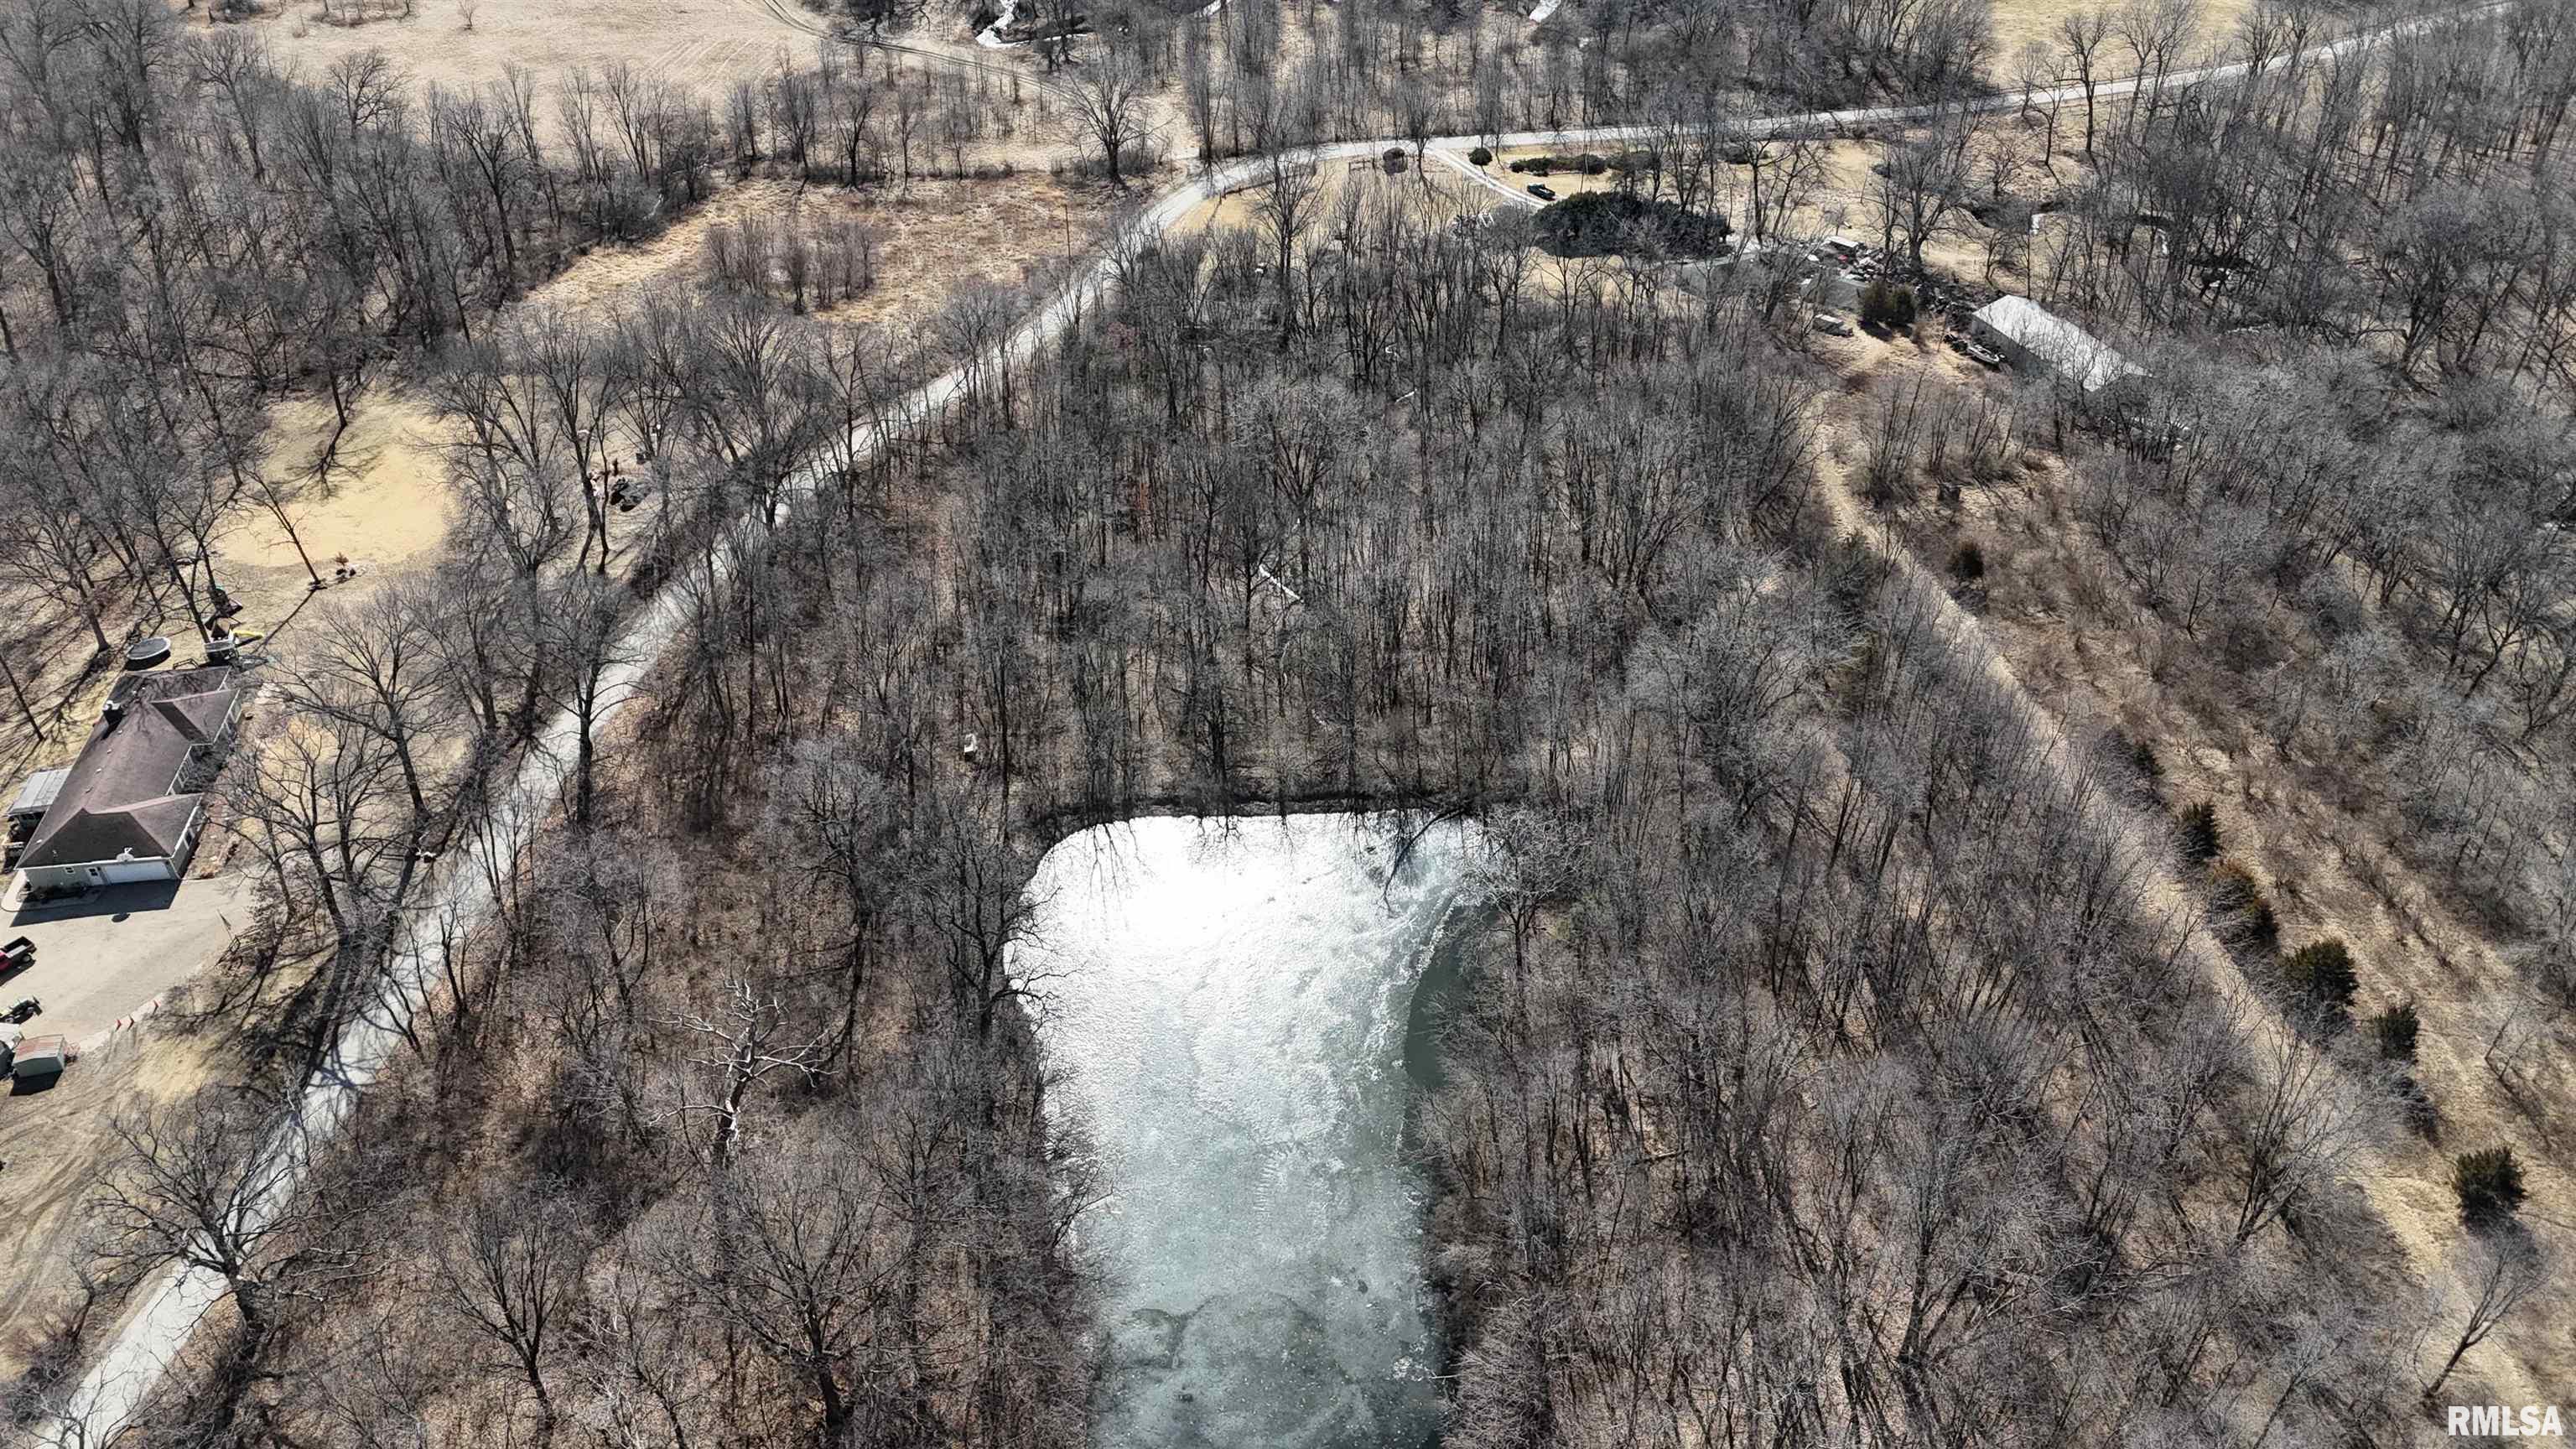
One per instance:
(2404, 1181)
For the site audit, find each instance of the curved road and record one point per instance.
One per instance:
(456, 899)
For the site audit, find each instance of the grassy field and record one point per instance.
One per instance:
(703, 44)
(2021, 23)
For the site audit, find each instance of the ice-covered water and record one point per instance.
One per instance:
(1231, 1010)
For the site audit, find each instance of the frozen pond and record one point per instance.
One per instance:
(1231, 1015)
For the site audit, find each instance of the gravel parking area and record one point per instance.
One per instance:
(101, 959)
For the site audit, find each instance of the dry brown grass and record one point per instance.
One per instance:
(704, 44)
(2021, 22)
(934, 237)
(2323, 849)
(387, 509)
(52, 1142)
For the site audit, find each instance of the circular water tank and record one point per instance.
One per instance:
(144, 653)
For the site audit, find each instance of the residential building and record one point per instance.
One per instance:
(133, 804)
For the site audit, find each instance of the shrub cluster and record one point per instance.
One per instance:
(2138, 755)
(2322, 971)
(1886, 304)
(2489, 1182)
(2395, 1030)
(1599, 223)
(2200, 842)
(1590, 163)
(2238, 898)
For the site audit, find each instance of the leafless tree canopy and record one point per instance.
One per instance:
(1846, 1053)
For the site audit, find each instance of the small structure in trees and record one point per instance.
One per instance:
(2029, 335)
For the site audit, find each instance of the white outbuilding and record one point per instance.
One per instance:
(2028, 334)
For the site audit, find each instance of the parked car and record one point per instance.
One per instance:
(1986, 355)
(17, 956)
(1542, 191)
(1828, 322)
(25, 1011)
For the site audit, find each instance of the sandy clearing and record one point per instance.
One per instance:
(384, 512)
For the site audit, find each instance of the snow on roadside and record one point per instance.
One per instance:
(990, 37)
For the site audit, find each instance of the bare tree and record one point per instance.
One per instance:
(1285, 209)
(585, 644)
(1110, 100)
(2497, 1272)
(2300, 1129)
(510, 1271)
(1923, 184)
(207, 1185)
(2080, 36)
(797, 1256)
(747, 1036)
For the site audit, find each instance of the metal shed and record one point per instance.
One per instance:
(37, 795)
(2028, 334)
(39, 1056)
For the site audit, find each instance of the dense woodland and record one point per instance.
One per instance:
(1853, 1053)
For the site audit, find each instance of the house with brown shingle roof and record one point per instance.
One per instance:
(134, 803)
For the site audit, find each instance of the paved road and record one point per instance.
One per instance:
(456, 898)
